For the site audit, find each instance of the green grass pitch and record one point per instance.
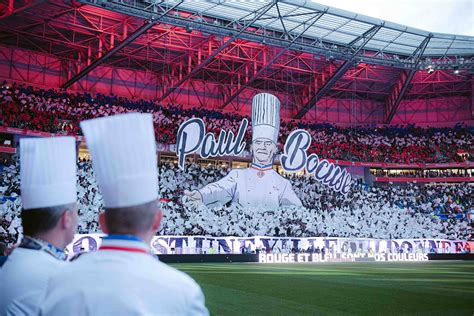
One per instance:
(375, 288)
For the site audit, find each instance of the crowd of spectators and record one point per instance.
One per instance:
(56, 111)
(412, 211)
(421, 173)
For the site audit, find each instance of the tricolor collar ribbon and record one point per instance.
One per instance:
(124, 243)
(261, 168)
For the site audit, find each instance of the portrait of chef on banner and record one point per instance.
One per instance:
(259, 185)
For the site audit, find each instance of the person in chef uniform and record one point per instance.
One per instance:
(122, 277)
(258, 185)
(49, 220)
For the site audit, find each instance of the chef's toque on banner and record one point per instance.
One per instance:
(265, 117)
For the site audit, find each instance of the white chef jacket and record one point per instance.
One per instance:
(122, 278)
(23, 280)
(246, 187)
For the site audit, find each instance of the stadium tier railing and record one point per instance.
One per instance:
(27, 132)
(418, 179)
(7, 150)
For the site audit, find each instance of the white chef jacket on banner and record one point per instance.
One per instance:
(251, 187)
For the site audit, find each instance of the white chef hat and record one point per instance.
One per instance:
(123, 152)
(265, 117)
(47, 171)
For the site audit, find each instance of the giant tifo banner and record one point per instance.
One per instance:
(317, 248)
(259, 185)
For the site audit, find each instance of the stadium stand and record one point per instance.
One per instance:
(413, 211)
(54, 111)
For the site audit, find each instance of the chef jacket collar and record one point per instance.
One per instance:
(257, 166)
(38, 244)
(127, 243)
(122, 237)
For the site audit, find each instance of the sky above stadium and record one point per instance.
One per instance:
(440, 16)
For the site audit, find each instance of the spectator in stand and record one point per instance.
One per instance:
(3, 253)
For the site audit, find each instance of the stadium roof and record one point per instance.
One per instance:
(309, 27)
(333, 25)
(297, 48)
